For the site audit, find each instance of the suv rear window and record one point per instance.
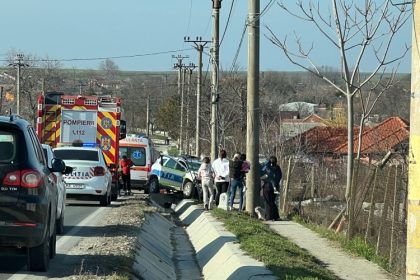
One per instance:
(8, 143)
(76, 155)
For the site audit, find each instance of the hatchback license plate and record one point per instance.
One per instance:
(74, 186)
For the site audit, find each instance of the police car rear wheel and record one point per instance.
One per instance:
(188, 190)
(154, 185)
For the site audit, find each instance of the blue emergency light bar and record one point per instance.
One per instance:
(90, 145)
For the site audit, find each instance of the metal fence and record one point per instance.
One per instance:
(317, 192)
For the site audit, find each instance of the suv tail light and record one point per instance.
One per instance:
(26, 178)
(99, 171)
(149, 167)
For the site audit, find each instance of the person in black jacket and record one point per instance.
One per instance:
(271, 175)
(236, 181)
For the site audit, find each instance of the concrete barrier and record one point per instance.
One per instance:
(217, 250)
(154, 250)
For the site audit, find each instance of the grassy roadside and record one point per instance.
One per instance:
(355, 246)
(284, 258)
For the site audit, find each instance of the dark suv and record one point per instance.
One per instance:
(28, 194)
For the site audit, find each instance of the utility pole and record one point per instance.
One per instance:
(190, 67)
(215, 79)
(147, 111)
(18, 64)
(181, 82)
(413, 207)
(199, 46)
(253, 107)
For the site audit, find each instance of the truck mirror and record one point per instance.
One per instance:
(123, 129)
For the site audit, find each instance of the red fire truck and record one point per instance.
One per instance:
(87, 120)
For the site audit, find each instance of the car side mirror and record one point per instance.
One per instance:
(58, 165)
(161, 160)
(68, 170)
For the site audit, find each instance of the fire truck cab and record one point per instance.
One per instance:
(93, 121)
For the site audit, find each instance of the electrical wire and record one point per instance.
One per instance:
(238, 50)
(104, 58)
(227, 22)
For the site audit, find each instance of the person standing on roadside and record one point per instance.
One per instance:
(221, 173)
(126, 164)
(236, 181)
(271, 175)
(206, 175)
(246, 166)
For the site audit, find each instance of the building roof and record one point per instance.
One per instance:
(382, 138)
(321, 139)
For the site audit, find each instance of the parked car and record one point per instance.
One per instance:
(59, 181)
(90, 178)
(175, 173)
(28, 195)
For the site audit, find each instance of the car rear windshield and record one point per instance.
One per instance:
(136, 154)
(76, 155)
(8, 144)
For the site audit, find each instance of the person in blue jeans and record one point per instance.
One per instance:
(236, 181)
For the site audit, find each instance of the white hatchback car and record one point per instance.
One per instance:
(91, 178)
(61, 202)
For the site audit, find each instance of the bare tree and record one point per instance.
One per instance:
(357, 31)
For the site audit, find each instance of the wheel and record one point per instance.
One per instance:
(114, 191)
(154, 185)
(39, 256)
(103, 200)
(188, 189)
(60, 224)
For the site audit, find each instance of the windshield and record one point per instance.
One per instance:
(193, 165)
(73, 154)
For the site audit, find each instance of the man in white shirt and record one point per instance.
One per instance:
(221, 172)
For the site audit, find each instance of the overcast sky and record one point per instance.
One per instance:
(147, 33)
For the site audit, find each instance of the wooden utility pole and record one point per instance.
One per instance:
(215, 79)
(181, 82)
(18, 64)
(413, 215)
(199, 46)
(253, 107)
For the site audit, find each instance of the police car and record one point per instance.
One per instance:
(91, 178)
(176, 174)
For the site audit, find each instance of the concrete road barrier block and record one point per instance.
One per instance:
(217, 250)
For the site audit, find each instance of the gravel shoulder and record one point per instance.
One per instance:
(106, 250)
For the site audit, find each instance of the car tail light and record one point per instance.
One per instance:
(12, 178)
(27, 178)
(99, 171)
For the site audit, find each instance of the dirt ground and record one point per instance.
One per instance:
(109, 253)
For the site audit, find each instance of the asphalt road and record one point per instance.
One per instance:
(78, 218)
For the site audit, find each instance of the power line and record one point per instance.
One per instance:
(227, 22)
(104, 58)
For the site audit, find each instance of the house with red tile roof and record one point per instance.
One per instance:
(390, 135)
(331, 142)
